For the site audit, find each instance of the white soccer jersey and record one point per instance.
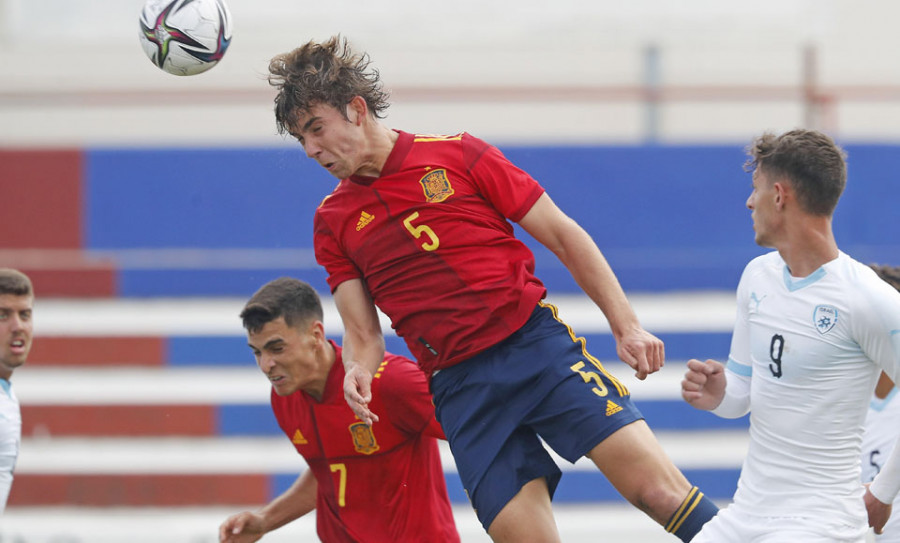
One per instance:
(878, 442)
(10, 437)
(812, 349)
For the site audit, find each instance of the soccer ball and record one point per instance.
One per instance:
(185, 37)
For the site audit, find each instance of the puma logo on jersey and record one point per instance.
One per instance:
(612, 408)
(756, 301)
(364, 220)
(298, 438)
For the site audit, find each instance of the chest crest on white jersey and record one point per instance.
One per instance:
(436, 186)
(825, 317)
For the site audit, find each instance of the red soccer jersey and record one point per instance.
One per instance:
(378, 484)
(432, 242)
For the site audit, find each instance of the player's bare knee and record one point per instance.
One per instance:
(659, 497)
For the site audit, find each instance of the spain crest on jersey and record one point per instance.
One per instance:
(825, 318)
(436, 185)
(363, 438)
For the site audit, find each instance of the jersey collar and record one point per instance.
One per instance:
(394, 160)
(793, 284)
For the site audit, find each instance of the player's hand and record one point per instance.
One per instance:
(358, 392)
(703, 385)
(244, 527)
(641, 350)
(879, 512)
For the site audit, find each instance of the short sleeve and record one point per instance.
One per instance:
(329, 255)
(404, 392)
(508, 188)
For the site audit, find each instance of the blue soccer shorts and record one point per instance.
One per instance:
(539, 383)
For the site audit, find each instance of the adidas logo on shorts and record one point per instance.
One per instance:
(612, 408)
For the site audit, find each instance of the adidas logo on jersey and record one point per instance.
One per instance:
(612, 408)
(364, 220)
(298, 439)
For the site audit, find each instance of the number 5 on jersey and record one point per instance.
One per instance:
(417, 232)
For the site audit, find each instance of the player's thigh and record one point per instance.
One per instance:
(520, 462)
(634, 462)
(527, 517)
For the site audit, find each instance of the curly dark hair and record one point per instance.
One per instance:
(811, 162)
(323, 73)
(890, 274)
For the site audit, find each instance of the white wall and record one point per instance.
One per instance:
(512, 71)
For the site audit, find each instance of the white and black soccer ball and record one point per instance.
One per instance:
(185, 37)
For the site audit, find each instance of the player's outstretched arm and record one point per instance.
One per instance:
(363, 345)
(577, 251)
(704, 383)
(295, 502)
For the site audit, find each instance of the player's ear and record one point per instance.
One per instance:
(357, 110)
(317, 332)
(780, 193)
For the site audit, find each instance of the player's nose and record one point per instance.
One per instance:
(16, 323)
(266, 363)
(312, 150)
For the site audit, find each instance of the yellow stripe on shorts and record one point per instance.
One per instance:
(623, 391)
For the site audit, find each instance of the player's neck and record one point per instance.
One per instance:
(808, 246)
(326, 359)
(380, 143)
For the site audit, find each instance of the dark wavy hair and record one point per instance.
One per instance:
(810, 161)
(323, 73)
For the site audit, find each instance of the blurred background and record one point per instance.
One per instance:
(148, 207)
